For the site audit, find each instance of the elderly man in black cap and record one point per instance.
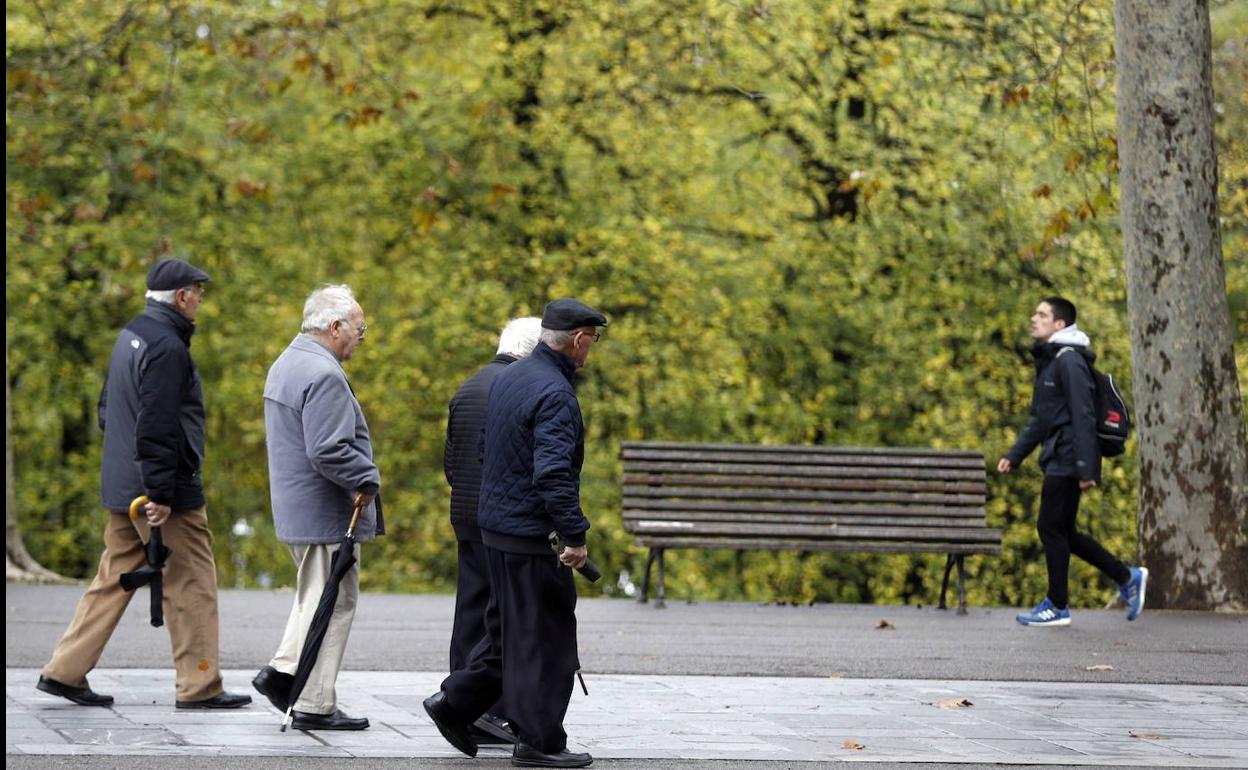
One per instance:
(534, 445)
(152, 413)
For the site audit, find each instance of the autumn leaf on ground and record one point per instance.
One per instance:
(1145, 736)
(954, 703)
(887, 625)
(852, 744)
(1100, 667)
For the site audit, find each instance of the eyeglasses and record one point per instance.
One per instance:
(596, 335)
(360, 330)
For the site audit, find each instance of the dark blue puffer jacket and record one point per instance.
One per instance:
(534, 445)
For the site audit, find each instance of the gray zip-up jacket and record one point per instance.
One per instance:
(319, 448)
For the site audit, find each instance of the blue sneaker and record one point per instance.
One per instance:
(1132, 592)
(1044, 615)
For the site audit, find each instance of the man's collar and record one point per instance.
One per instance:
(562, 360)
(184, 326)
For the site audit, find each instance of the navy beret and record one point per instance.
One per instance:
(568, 314)
(170, 274)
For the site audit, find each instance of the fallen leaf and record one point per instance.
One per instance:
(850, 743)
(887, 625)
(954, 703)
(1100, 667)
(1145, 736)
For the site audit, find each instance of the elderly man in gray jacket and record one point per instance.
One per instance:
(320, 460)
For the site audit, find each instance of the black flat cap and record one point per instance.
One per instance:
(567, 314)
(170, 274)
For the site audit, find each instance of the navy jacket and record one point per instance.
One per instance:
(534, 445)
(1063, 414)
(152, 413)
(461, 460)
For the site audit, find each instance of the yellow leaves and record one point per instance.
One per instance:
(304, 61)
(424, 219)
(1099, 667)
(141, 172)
(1015, 97)
(953, 704)
(498, 192)
(249, 189)
(852, 745)
(1074, 159)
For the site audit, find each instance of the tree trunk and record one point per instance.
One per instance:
(18, 564)
(1193, 505)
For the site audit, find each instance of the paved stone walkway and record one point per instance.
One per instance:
(684, 717)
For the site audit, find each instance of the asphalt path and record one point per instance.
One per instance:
(401, 632)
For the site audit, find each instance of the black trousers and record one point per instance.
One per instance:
(528, 658)
(472, 595)
(1059, 504)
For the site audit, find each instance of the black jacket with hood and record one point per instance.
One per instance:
(1063, 409)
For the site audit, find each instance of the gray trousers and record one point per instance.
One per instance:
(313, 561)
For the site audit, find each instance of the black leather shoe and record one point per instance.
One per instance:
(83, 696)
(275, 686)
(490, 730)
(454, 732)
(226, 700)
(302, 720)
(527, 756)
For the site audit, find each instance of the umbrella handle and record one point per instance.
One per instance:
(136, 504)
(355, 516)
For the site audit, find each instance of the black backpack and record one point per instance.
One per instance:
(1113, 419)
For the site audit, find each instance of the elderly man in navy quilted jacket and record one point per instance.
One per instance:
(533, 445)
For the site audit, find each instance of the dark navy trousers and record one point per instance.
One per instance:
(528, 659)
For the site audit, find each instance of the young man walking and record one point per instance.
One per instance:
(1063, 423)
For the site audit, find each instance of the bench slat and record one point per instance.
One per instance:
(801, 472)
(804, 449)
(742, 544)
(733, 503)
(814, 531)
(632, 519)
(794, 458)
(756, 487)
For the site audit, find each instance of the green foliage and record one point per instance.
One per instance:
(809, 223)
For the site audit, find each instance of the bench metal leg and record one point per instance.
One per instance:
(944, 585)
(658, 597)
(645, 578)
(961, 584)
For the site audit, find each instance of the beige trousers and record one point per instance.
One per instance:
(190, 603)
(313, 563)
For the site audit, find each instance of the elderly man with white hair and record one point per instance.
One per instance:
(320, 462)
(462, 464)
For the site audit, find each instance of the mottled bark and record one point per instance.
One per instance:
(1193, 505)
(18, 563)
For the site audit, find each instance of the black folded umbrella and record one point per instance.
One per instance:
(152, 573)
(344, 559)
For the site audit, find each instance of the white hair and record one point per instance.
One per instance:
(164, 296)
(325, 305)
(557, 338)
(520, 336)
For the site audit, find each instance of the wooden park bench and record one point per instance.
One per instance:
(806, 498)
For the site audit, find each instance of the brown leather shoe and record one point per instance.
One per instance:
(83, 696)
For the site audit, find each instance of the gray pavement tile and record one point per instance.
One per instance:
(140, 736)
(1028, 748)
